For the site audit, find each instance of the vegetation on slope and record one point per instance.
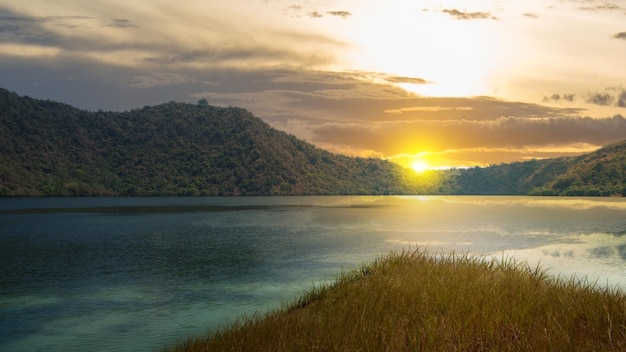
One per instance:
(600, 173)
(52, 149)
(414, 301)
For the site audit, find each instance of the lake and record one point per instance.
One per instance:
(122, 274)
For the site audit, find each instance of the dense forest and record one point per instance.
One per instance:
(53, 149)
(600, 173)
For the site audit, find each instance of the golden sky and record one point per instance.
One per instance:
(447, 83)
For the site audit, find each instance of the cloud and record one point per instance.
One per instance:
(317, 14)
(620, 35)
(621, 99)
(430, 109)
(469, 15)
(69, 33)
(395, 137)
(343, 14)
(603, 99)
(606, 6)
(403, 79)
(20, 28)
(344, 112)
(200, 40)
(555, 97)
(121, 23)
(611, 96)
(164, 79)
(531, 15)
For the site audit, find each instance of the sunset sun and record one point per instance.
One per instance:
(420, 166)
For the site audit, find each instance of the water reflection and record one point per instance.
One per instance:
(567, 236)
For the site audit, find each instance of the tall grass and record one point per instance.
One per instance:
(415, 301)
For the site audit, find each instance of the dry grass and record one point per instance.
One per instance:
(414, 301)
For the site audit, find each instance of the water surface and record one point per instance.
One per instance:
(119, 274)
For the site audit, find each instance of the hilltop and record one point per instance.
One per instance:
(175, 149)
(53, 149)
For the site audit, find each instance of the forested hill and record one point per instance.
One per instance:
(53, 149)
(600, 173)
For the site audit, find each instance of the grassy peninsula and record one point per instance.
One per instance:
(415, 301)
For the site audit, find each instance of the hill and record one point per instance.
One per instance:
(600, 173)
(53, 149)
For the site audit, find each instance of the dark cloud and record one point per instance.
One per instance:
(121, 23)
(52, 31)
(402, 79)
(557, 97)
(315, 14)
(25, 29)
(553, 97)
(612, 96)
(603, 99)
(569, 97)
(506, 132)
(9, 16)
(459, 15)
(621, 99)
(531, 15)
(341, 96)
(343, 14)
(620, 35)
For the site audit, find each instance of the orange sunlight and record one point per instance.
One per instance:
(419, 162)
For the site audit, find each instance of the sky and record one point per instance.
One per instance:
(430, 83)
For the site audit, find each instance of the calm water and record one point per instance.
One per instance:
(121, 274)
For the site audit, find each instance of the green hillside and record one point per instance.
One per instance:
(53, 149)
(600, 173)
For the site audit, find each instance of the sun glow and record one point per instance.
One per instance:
(419, 166)
(454, 57)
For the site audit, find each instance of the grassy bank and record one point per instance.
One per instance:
(415, 301)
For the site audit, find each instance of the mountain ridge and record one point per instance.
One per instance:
(173, 148)
(179, 149)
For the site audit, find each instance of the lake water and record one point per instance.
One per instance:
(122, 274)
